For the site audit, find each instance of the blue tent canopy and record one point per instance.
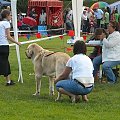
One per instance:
(115, 5)
(4, 3)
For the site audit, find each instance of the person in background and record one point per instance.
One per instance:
(102, 22)
(42, 18)
(99, 15)
(97, 49)
(8, 8)
(112, 17)
(69, 19)
(107, 18)
(109, 11)
(4, 45)
(82, 81)
(89, 16)
(96, 55)
(84, 22)
(19, 17)
(33, 13)
(92, 24)
(110, 53)
(116, 16)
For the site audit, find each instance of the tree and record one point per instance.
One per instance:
(22, 5)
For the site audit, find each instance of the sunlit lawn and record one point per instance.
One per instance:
(17, 102)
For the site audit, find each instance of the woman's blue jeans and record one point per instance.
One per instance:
(73, 87)
(106, 67)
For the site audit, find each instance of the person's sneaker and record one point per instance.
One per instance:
(11, 83)
(111, 83)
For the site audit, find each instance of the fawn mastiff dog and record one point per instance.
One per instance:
(46, 63)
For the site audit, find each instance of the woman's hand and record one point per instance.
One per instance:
(64, 74)
(55, 81)
(18, 43)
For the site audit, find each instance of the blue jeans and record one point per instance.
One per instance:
(69, 25)
(73, 87)
(97, 61)
(107, 68)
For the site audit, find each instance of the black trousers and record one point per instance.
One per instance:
(4, 62)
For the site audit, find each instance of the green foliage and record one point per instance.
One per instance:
(22, 5)
(17, 102)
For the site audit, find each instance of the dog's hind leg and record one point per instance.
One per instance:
(58, 97)
(51, 86)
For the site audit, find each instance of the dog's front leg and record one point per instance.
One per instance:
(51, 86)
(38, 85)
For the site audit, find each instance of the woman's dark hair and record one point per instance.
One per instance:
(99, 31)
(5, 13)
(114, 25)
(79, 47)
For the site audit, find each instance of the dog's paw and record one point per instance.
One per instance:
(57, 99)
(36, 94)
(52, 93)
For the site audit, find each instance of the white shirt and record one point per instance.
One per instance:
(89, 14)
(111, 47)
(82, 67)
(84, 16)
(69, 16)
(3, 38)
(99, 14)
(42, 17)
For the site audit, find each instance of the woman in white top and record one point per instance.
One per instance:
(111, 51)
(4, 45)
(81, 68)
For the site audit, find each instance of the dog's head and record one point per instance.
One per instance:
(33, 50)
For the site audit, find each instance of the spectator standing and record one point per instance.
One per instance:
(42, 18)
(107, 18)
(84, 22)
(4, 45)
(69, 19)
(116, 16)
(99, 15)
(33, 13)
(92, 23)
(89, 15)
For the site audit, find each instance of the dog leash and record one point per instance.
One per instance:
(50, 54)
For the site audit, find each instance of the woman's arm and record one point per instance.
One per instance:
(64, 75)
(10, 38)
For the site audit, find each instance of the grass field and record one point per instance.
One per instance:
(17, 102)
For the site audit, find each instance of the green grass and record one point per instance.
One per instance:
(17, 102)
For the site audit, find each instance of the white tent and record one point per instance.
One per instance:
(115, 5)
